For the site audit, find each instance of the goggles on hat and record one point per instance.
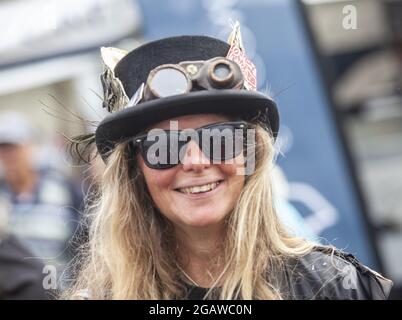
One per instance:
(219, 142)
(172, 79)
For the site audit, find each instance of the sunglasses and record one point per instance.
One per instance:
(219, 142)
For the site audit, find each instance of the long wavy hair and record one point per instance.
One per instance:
(132, 250)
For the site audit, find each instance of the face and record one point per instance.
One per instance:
(14, 157)
(196, 192)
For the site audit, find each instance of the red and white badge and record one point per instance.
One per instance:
(247, 67)
(237, 54)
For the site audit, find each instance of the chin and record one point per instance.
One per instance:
(203, 219)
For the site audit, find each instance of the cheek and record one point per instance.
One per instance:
(158, 181)
(235, 167)
(234, 173)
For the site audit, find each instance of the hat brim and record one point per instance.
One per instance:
(125, 124)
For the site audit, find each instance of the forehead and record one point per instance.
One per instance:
(192, 121)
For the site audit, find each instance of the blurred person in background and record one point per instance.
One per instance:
(43, 201)
(20, 278)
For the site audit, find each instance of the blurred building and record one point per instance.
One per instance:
(363, 68)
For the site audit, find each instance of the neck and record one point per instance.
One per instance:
(198, 250)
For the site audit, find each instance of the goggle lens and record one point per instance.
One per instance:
(168, 82)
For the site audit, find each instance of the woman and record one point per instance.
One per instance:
(185, 208)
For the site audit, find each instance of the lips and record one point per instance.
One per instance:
(200, 188)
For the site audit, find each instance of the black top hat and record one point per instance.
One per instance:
(133, 69)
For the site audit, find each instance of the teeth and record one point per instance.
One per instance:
(199, 189)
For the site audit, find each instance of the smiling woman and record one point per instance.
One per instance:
(183, 218)
(198, 193)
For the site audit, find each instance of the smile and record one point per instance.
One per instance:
(200, 189)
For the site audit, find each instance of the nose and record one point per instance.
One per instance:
(194, 159)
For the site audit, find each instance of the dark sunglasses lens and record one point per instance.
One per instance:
(223, 142)
(162, 151)
(168, 82)
(154, 157)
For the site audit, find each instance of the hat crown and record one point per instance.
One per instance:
(133, 69)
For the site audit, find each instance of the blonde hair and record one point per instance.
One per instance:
(131, 253)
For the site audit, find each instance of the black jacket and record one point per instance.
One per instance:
(324, 273)
(20, 276)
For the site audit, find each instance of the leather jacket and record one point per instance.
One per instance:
(324, 273)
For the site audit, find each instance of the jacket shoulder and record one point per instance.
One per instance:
(329, 273)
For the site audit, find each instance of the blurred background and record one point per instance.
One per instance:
(333, 66)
